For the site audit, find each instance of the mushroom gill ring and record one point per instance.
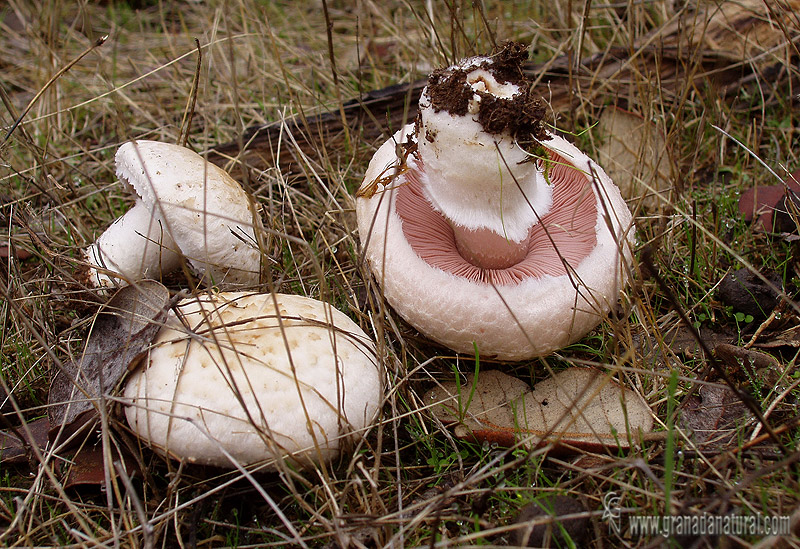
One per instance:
(563, 237)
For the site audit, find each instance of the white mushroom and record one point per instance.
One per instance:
(187, 207)
(488, 229)
(238, 376)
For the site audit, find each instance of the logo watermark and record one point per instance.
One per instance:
(612, 512)
(692, 525)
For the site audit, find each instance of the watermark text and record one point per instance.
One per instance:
(692, 525)
(709, 525)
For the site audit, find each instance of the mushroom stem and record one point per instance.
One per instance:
(473, 169)
(137, 246)
(486, 249)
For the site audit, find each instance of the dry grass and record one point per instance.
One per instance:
(412, 484)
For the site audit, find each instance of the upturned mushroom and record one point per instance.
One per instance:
(485, 228)
(186, 207)
(238, 378)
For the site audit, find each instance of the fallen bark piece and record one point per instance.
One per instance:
(580, 407)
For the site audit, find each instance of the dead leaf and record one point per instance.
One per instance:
(662, 350)
(15, 444)
(773, 207)
(739, 357)
(123, 329)
(492, 403)
(8, 251)
(744, 290)
(713, 415)
(754, 367)
(786, 338)
(745, 29)
(635, 156)
(533, 529)
(579, 406)
(87, 468)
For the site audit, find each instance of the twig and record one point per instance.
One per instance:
(186, 124)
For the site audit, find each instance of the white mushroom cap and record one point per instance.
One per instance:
(525, 313)
(203, 210)
(255, 382)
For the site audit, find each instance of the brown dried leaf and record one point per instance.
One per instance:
(769, 207)
(492, 403)
(7, 251)
(579, 406)
(712, 416)
(657, 351)
(87, 468)
(123, 329)
(15, 444)
(739, 357)
(755, 367)
(745, 29)
(635, 156)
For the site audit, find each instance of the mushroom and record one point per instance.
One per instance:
(483, 227)
(254, 377)
(186, 207)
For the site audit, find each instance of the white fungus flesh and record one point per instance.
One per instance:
(475, 179)
(517, 263)
(136, 246)
(196, 210)
(239, 381)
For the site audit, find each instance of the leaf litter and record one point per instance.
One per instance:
(16, 443)
(580, 407)
(123, 329)
(713, 416)
(772, 208)
(634, 153)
